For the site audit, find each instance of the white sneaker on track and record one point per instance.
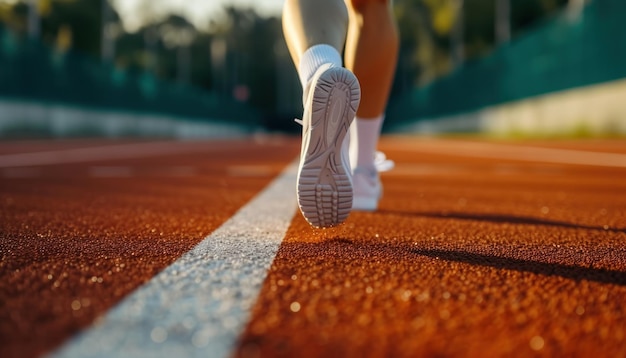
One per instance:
(367, 190)
(367, 186)
(324, 184)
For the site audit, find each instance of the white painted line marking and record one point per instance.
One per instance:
(198, 306)
(107, 152)
(111, 172)
(511, 152)
(14, 173)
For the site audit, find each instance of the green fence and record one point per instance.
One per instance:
(561, 53)
(31, 71)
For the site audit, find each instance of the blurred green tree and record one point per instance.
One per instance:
(243, 55)
(427, 30)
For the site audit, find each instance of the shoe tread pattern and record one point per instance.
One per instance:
(324, 185)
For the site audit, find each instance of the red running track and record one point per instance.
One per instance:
(479, 248)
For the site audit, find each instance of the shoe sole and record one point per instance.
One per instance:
(324, 183)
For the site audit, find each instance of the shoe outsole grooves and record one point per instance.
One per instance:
(324, 183)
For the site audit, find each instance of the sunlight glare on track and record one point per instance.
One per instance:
(511, 152)
(105, 152)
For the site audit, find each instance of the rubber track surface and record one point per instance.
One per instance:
(76, 238)
(466, 256)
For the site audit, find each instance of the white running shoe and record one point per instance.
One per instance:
(324, 177)
(367, 186)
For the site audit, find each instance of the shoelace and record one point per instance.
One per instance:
(381, 162)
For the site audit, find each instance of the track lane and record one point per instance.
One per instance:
(467, 256)
(73, 243)
(197, 306)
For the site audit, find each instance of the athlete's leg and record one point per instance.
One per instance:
(371, 53)
(315, 31)
(307, 23)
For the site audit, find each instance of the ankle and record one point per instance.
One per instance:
(368, 133)
(313, 58)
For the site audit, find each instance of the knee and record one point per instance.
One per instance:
(361, 4)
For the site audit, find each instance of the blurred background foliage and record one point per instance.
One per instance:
(242, 55)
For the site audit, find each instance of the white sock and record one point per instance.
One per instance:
(364, 141)
(313, 58)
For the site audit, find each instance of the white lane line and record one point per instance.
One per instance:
(22, 173)
(106, 152)
(512, 152)
(111, 172)
(198, 306)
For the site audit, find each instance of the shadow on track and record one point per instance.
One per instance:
(552, 269)
(509, 219)
(549, 269)
(338, 246)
